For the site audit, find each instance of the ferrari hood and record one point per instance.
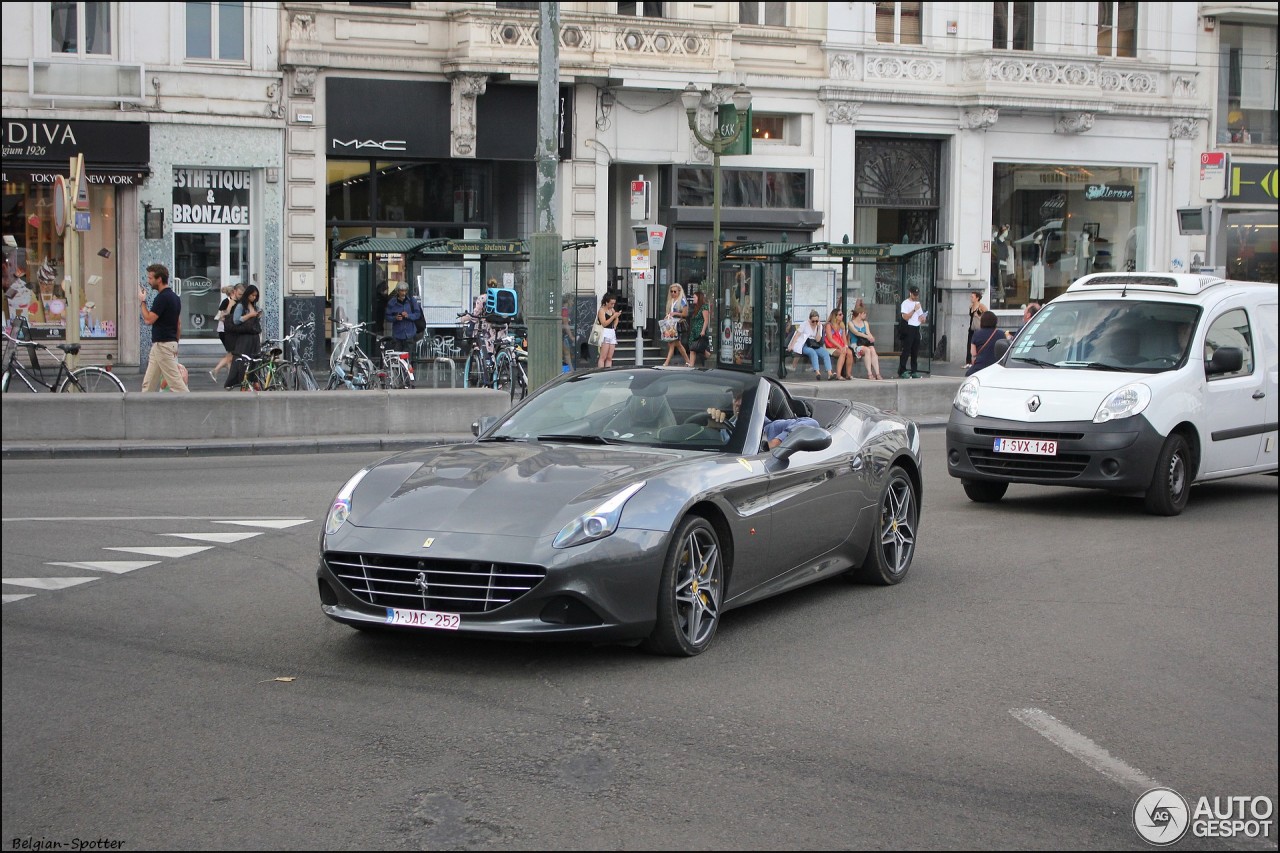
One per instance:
(505, 489)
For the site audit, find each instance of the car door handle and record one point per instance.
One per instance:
(1258, 395)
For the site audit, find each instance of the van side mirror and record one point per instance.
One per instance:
(1225, 360)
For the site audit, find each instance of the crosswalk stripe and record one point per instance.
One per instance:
(47, 583)
(276, 523)
(223, 538)
(164, 550)
(116, 567)
(9, 599)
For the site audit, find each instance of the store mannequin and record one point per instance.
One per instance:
(1084, 253)
(1037, 267)
(1003, 279)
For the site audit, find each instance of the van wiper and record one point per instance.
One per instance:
(1095, 365)
(1037, 362)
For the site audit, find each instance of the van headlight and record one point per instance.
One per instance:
(1123, 403)
(341, 507)
(967, 397)
(597, 523)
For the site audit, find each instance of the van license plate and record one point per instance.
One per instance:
(1031, 446)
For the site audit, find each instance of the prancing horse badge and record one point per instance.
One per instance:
(427, 544)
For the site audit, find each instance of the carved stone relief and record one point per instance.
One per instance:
(1184, 128)
(1077, 122)
(903, 68)
(302, 27)
(980, 119)
(304, 81)
(464, 90)
(842, 67)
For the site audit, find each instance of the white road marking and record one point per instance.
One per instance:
(116, 567)
(223, 538)
(47, 583)
(9, 599)
(276, 523)
(165, 550)
(1076, 744)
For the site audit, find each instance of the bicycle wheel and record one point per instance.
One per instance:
(306, 381)
(277, 378)
(473, 370)
(4, 382)
(502, 379)
(520, 388)
(92, 380)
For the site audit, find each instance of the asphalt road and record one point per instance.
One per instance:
(1046, 660)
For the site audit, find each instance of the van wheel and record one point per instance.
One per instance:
(1171, 483)
(984, 493)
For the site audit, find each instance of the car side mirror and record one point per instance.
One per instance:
(807, 438)
(1225, 360)
(483, 424)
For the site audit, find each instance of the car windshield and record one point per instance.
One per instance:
(641, 406)
(1107, 334)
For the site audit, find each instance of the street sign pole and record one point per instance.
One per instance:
(72, 264)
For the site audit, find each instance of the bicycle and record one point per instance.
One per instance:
(89, 379)
(479, 369)
(511, 365)
(262, 370)
(349, 366)
(397, 371)
(295, 373)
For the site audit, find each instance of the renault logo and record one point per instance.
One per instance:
(1034, 403)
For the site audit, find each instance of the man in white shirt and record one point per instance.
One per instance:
(913, 315)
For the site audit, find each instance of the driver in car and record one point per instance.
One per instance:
(774, 431)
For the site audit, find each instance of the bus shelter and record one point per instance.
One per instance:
(446, 275)
(766, 288)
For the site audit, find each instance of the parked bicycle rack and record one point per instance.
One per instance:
(440, 365)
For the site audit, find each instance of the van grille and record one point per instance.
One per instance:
(452, 586)
(1064, 466)
(1027, 433)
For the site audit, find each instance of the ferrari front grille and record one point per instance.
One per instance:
(1064, 466)
(452, 586)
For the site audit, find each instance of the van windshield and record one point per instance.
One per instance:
(1107, 334)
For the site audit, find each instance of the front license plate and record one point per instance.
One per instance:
(424, 619)
(1032, 446)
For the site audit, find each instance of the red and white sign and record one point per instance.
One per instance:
(639, 200)
(1214, 166)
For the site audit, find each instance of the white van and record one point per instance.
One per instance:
(1130, 382)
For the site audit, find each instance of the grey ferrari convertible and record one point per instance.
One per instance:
(623, 505)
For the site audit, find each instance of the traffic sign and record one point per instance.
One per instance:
(1214, 167)
(59, 204)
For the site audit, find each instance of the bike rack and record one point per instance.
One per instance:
(439, 366)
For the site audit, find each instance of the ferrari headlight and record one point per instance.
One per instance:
(967, 397)
(1124, 403)
(342, 504)
(598, 523)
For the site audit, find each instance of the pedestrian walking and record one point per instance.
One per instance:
(165, 319)
(246, 328)
(231, 295)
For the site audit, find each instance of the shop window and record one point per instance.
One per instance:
(216, 31)
(83, 29)
(640, 10)
(768, 128)
(1247, 84)
(898, 23)
(767, 14)
(36, 280)
(1064, 221)
(759, 188)
(212, 214)
(1118, 29)
(1251, 244)
(1013, 26)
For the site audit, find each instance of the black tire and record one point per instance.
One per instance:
(473, 371)
(306, 380)
(893, 546)
(94, 380)
(1171, 481)
(4, 381)
(984, 492)
(520, 388)
(502, 378)
(689, 593)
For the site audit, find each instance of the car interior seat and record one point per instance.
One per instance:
(647, 413)
(1124, 347)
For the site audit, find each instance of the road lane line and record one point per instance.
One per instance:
(221, 538)
(10, 599)
(116, 567)
(163, 550)
(47, 583)
(1072, 742)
